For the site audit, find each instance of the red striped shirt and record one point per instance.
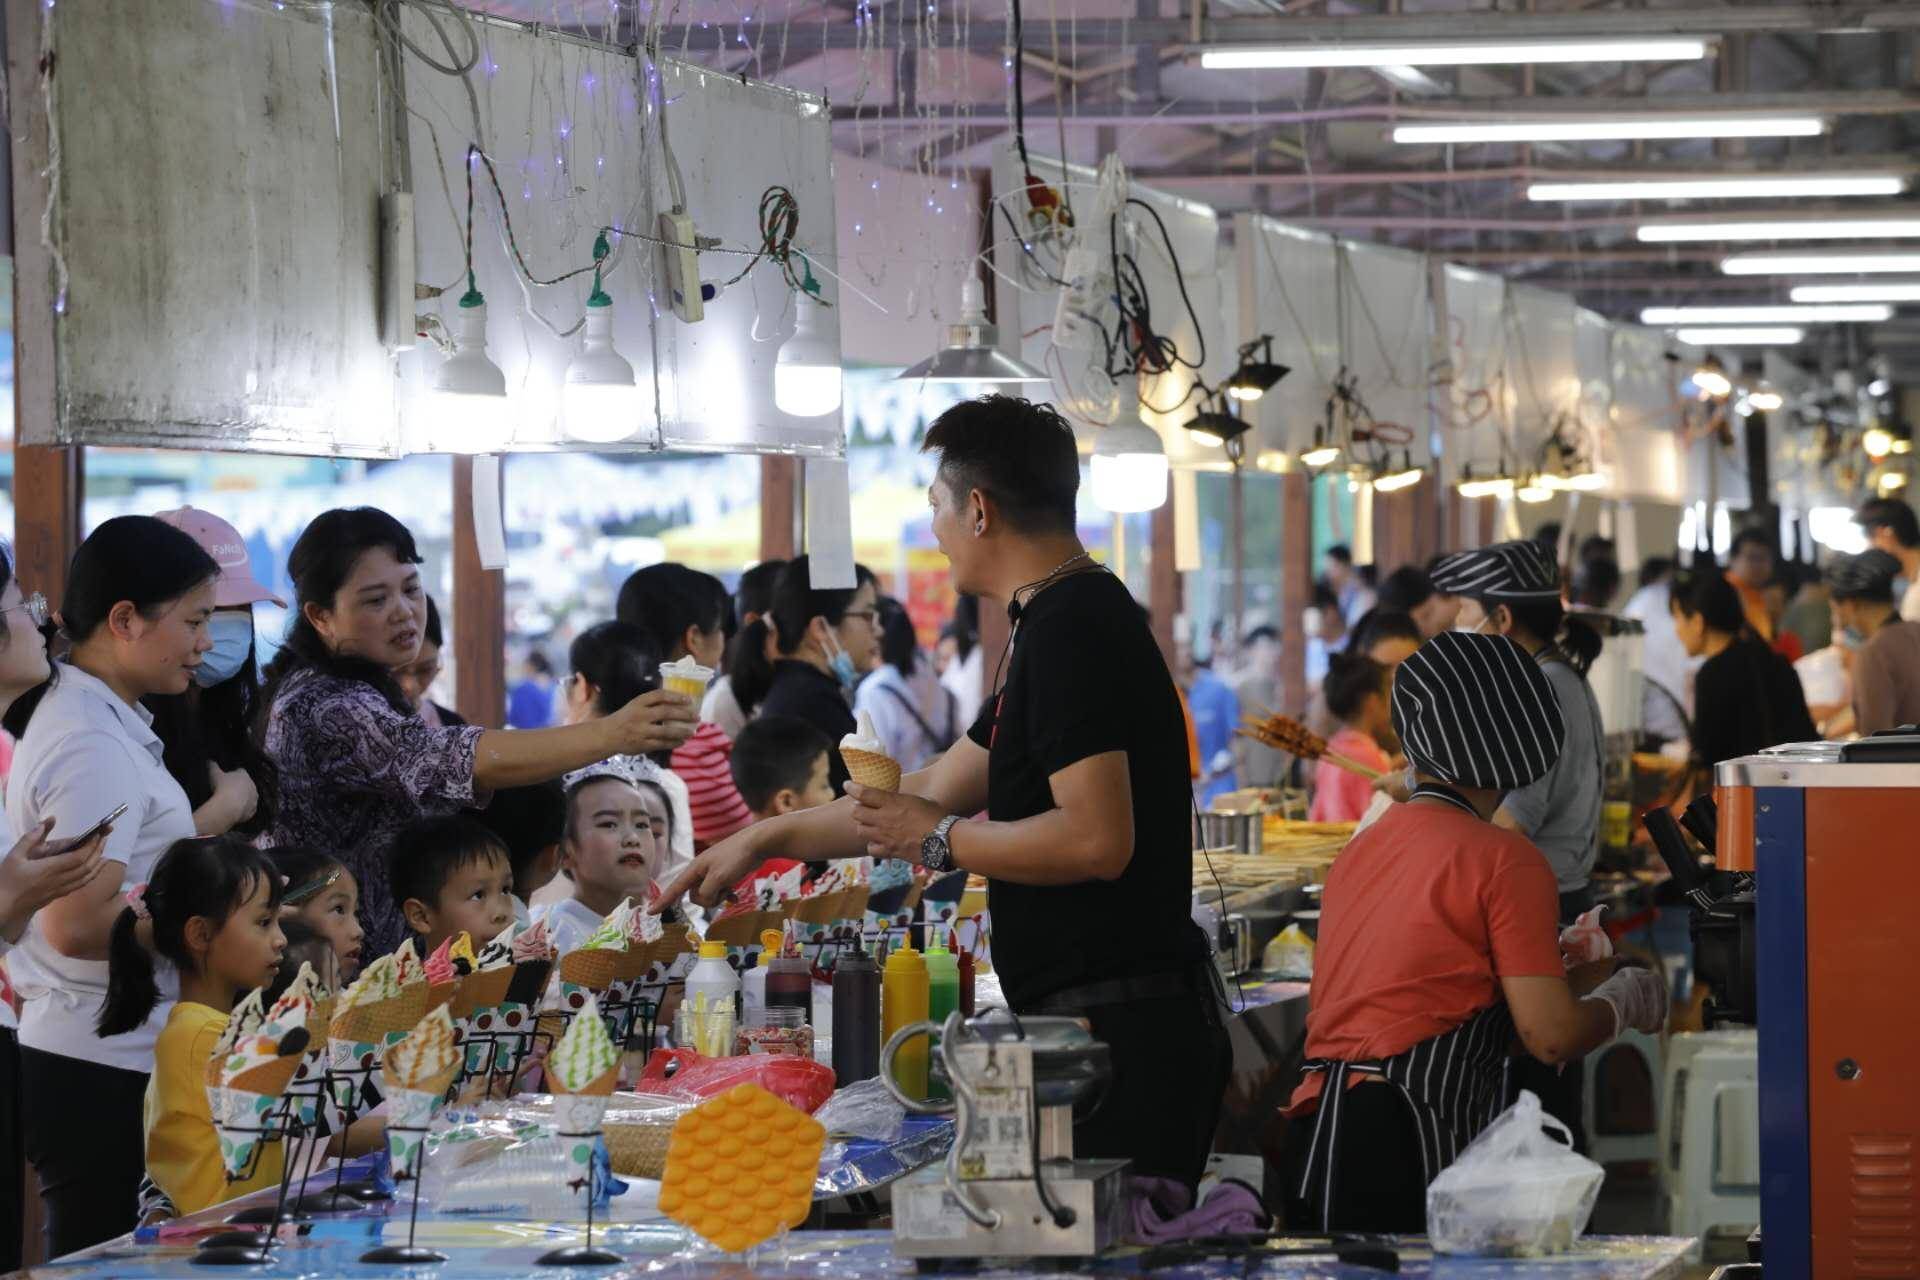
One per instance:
(704, 764)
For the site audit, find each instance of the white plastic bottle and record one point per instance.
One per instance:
(709, 1012)
(753, 983)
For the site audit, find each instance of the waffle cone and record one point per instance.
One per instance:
(441, 993)
(638, 1150)
(819, 910)
(742, 930)
(595, 970)
(853, 902)
(871, 769)
(321, 1018)
(269, 1079)
(633, 963)
(481, 990)
(374, 1022)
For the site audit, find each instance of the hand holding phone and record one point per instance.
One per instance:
(98, 829)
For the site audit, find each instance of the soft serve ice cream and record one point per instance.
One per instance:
(866, 757)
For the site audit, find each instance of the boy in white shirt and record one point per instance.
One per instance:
(608, 852)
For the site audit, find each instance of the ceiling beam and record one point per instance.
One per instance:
(1483, 24)
(1187, 114)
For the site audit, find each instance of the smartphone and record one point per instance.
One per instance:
(55, 847)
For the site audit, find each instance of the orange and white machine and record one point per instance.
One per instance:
(1831, 835)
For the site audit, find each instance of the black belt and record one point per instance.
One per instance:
(1200, 980)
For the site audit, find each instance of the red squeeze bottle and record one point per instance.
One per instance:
(966, 982)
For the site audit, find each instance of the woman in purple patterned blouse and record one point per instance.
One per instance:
(357, 763)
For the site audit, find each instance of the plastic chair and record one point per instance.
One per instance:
(1605, 1147)
(1710, 1132)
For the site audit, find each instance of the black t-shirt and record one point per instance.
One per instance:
(1747, 698)
(1087, 678)
(807, 693)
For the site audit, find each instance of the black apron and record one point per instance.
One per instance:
(1454, 1084)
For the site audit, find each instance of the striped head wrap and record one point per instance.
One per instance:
(1476, 711)
(1522, 570)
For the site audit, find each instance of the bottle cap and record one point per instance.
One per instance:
(713, 951)
(769, 946)
(905, 960)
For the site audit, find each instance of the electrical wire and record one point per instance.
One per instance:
(458, 67)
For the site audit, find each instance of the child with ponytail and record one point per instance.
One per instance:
(211, 910)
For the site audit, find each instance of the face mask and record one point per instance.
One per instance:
(842, 664)
(1474, 630)
(232, 636)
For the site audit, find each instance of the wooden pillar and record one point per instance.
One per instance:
(1489, 511)
(779, 507)
(1237, 537)
(1163, 579)
(47, 479)
(47, 486)
(479, 614)
(1296, 587)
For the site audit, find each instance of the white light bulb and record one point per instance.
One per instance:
(1129, 468)
(806, 373)
(473, 414)
(600, 401)
(1321, 456)
(1720, 188)
(1622, 127)
(1533, 491)
(1453, 53)
(1877, 441)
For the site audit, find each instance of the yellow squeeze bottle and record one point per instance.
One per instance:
(903, 1001)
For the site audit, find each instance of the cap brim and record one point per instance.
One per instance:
(232, 593)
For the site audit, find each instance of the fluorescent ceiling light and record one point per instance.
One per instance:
(1864, 314)
(1752, 336)
(1444, 54)
(1620, 128)
(1810, 229)
(1814, 264)
(1856, 293)
(1757, 187)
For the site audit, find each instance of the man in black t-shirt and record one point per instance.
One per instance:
(1080, 764)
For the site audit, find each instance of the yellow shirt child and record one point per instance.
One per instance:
(183, 1147)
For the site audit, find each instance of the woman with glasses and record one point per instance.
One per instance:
(138, 599)
(827, 640)
(208, 730)
(416, 678)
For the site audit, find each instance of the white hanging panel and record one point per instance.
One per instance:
(572, 130)
(1648, 459)
(1593, 365)
(1382, 304)
(1479, 399)
(218, 182)
(1541, 365)
(1295, 277)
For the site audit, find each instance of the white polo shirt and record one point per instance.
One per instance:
(85, 753)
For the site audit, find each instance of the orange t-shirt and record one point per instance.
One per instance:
(1753, 602)
(1423, 914)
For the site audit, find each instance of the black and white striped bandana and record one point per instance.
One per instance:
(1522, 570)
(1476, 711)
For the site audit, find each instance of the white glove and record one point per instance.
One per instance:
(1638, 998)
(1584, 941)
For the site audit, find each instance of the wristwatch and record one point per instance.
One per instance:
(936, 854)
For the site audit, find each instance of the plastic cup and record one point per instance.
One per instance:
(674, 679)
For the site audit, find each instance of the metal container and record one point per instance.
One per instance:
(1240, 832)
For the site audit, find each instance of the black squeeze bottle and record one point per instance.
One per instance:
(856, 1018)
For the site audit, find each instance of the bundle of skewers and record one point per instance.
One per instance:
(1284, 733)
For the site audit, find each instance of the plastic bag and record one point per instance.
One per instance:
(1585, 940)
(681, 1073)
(1823, 677)
(1514, 1192)
(1289, 955)
(506, 1158)
(864, 1109)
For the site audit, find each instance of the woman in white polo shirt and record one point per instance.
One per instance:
(136, 606)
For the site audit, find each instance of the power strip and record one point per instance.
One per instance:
(682, 262)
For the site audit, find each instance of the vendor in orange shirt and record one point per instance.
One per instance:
(1439, 951)
(1750, 569)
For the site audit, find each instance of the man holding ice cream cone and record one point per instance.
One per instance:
(1079, 760)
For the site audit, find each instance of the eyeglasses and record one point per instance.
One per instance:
(36, 607)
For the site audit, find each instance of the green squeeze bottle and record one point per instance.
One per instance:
(943, 994)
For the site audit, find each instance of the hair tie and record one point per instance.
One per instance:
(137, 901)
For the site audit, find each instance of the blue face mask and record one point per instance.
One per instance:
(232, 636)
(842, 664)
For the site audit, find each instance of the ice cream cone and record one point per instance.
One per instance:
(593, 970)
(871, 769)
(482, 990)
(269, 1078)
(356, 1066)
(409, 1109)
(441, 993)
(383, 1017)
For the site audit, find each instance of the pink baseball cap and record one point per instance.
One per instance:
(236, 585)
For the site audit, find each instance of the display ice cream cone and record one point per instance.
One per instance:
(356, 1068)
(593, 969)
(631, 965)
(309, 1079)
(482, 990)
(441, 993)
(871, 769)
(377, 1021)
(269, 1078)
(245, 1113)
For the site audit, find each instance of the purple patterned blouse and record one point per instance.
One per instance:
(353, 772)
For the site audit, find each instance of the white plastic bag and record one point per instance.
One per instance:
(1514, 1192)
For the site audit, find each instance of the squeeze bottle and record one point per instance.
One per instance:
(903, 999)
(790, 984)
(713, 998)
(943, 995)
(856, 1018)
(753, 983)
